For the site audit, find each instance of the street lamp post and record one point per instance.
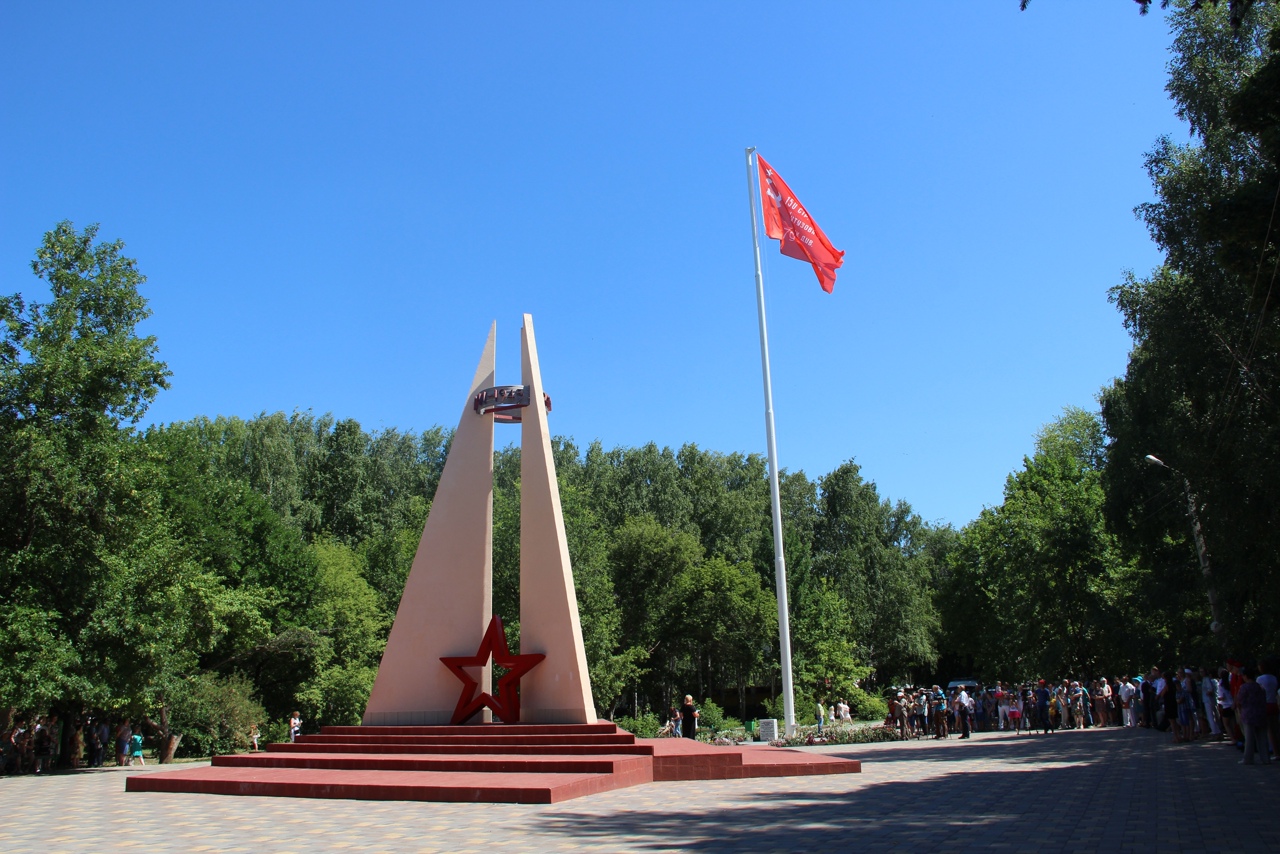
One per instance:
(1202, 551)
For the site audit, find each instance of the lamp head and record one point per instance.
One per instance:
(1154, 460)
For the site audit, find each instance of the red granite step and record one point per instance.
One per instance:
(487, 763)
(464, 786)
(601, 728)
(527, 749)
(485, 738)
(685, 759)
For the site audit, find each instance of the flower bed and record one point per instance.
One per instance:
(840, 735)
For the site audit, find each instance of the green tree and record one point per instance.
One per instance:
(824, 652)
(347, 614)
(1037, 585)
(646, 559)
(722, 622)
(1200, 389)
(74, 378)
(728, 494)
(872, 552)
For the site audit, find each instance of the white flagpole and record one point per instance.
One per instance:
(779, 560)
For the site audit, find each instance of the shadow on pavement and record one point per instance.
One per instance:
(1040, 796)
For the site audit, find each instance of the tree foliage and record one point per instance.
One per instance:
(1037, 586)
(1201, 388)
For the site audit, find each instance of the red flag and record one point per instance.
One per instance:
(786, 220)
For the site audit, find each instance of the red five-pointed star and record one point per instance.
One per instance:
(507, 704)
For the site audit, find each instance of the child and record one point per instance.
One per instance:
(1015, 713)
(135, 749)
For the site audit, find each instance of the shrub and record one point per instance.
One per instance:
(646, 725)
(805, 705)
(337, 697)
(711, 717)
(866, 707)
(274, 732)
(773, 708)
(213, 714)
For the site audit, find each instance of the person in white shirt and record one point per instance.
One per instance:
(1226, 705)
(1127, 692)
(963, 708)
(1209, 701)
(1002, 707)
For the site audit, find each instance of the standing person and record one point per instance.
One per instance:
(135, 749)
(1161, 708)
(689, 718)
(104, 739)
(42, 743)
(1002, 707)
(1267, 681)
(1104, 703)
(9, 750)
(1169, 698)
(1014, 714)
(1251, 709)
(938, 701)
(822, 714)
(899, 709)
(984, 710)
(1186, 693)
(1209, 701)
(253, 737)
(1227, 706)
(1042, 698)
(295, 726)
(963, 705)
(55, 733)
(1127, 702)
(22, 740)
(94, 744)
(77, 745)
(1079, 700)
(124, 732)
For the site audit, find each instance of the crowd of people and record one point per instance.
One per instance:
(45, 743)
(1237, 702)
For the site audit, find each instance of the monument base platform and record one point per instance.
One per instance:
(484, 763)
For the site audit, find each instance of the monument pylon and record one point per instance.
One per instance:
(559, 690)
(445, 628)
(448, 596)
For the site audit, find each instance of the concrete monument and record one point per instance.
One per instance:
(436, 667)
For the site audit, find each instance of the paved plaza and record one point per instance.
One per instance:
(1113, 789)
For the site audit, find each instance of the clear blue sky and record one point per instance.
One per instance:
(332, 201)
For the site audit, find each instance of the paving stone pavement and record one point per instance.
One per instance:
(1123, 790)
